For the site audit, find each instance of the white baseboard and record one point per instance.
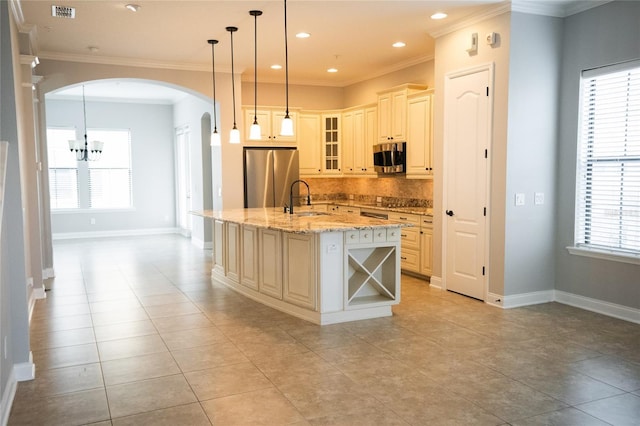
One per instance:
(19, 373)
(435, 282)
(120, 233)
(526, 299)
(48, 273)
(606, 308)
(39, 293)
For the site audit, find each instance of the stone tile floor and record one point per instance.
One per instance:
(133, 332)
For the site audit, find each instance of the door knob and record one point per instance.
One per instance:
(449, 212)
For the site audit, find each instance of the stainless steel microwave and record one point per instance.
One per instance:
(390, 157)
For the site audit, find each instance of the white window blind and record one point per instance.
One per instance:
(63, 169)
(608, 187)
(110, 176)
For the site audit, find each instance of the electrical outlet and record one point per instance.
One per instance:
(520, 199)
(538, 198)
(93, 220)
(332, 248)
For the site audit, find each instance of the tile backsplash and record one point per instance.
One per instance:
(396, 190)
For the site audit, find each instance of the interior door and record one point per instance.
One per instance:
(183, 180)
(467, 125)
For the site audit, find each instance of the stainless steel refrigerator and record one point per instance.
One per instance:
(268, 175)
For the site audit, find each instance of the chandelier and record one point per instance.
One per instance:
(85, 150)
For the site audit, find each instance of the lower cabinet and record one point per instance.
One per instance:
(410, 241)
(232, 263)
(219, 246)
(249, 258)
(299, 275)
(426, 245)
(270, 263)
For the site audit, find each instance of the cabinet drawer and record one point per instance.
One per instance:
(405, 217)
(410, 238)
(379, 235)
(366, 236)
(410, 259)
(393, 234)
(352, 237)
(426, 222)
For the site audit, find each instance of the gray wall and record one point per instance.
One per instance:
(152, 151)
(597, 37)
(14, 322)
(534, 73)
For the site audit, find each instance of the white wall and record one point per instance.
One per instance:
(601, 36)
(534, 74)
(152, 159)
(189, 112)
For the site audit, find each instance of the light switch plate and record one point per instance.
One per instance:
(520, 199)
(538, 198)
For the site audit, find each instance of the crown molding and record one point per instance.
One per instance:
(129, 62)
(473, 19)
(553, 9)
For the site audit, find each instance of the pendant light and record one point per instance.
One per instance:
(255, 132)
(234, 136)
(287, 124)
(215, 136)
(86, 151)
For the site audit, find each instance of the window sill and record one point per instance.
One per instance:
(92, 211)
(615, 256)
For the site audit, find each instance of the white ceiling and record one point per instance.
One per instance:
(354, 36)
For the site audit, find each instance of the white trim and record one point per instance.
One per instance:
(48, 273)
(24, 371)
(39, 293)
(526, 299)
(473, 19)
(8, 394)
(121, 233)
(92, 211)
(614, 256)
(494, 299)
(435, 282)
(606, 308)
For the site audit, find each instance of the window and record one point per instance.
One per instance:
(608, 184)
(101, 184)
(63, 169)
(110, 176)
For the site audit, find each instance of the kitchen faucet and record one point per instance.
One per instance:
(291, 195)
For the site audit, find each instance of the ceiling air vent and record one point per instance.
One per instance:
(63, 11)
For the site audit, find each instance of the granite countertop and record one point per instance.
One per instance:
(274, 218)
(425, 211)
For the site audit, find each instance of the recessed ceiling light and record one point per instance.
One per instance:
(399, 44)
(133, 7)
(276, 67)
(439, 15)
(332, 70)
(303, 35)
(93, 49)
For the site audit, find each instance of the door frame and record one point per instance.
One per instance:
(445, 161)
(180, 197)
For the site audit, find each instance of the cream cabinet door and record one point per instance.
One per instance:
(249, 258)
(270, 263)
(310, 144)
(419, 142)
(300, 270)
(232, 270)
(426, 238)
(219, 240)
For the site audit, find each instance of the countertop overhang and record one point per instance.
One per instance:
(275, 218)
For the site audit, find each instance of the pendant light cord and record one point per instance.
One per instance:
(255, 68)
(213, 63)
(233, 77)
(286, 60)
(84, 115)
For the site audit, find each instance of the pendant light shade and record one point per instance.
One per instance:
(287, 124)
(234, 136)
(255, 132)
(215, 136)
(85, 150)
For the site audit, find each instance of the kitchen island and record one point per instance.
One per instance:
(324, 268)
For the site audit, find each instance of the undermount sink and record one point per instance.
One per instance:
(311, 213)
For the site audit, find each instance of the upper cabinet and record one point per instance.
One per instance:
(392, 112)
(419, 135)
(270, 120)
(310, 143)
(331, 143)
(359, 134)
